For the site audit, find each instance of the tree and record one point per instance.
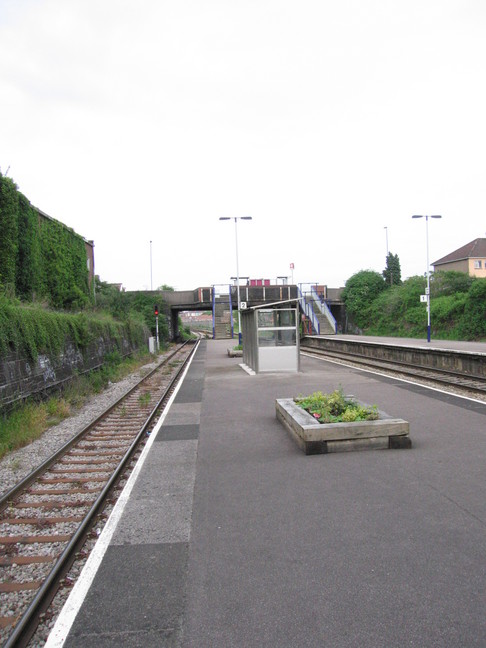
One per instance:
(392, 273)
(360, 291)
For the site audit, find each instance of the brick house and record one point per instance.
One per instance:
(470, 259)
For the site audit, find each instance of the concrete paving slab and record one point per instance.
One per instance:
(178, 433)
(160, 506)
(143, 589)
(184, 414)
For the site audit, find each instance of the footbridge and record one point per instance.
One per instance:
(322, 308)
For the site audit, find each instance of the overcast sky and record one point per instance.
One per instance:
(326, 121)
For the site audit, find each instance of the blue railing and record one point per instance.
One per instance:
(324, 308)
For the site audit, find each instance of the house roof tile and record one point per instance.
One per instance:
(474, 249)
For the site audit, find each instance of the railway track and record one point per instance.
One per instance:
(472, 386)
(46, 519)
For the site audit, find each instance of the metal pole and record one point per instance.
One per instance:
(428, 268)
(238, 281)
(237, 267)
(428, 277)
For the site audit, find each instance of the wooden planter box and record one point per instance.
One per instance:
(321, 438)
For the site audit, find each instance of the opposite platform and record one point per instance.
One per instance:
(232, 537)
(450, 345)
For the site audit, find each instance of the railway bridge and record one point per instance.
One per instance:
(321, 307)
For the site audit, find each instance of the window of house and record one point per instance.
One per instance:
(477, 264)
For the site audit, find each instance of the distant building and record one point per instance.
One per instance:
(470, 259)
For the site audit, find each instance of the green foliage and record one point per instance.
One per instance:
(29, 280)
(360, 291)
(392, 274)
(473, 324)
(137, 306)
(9, 206)
(39, 257)
(65, 274)
(450, 282)
(458, 308)
(336, 408)
(32, 330)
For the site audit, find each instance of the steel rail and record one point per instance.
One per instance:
(28, 479)
(27, 624)
(441, 376)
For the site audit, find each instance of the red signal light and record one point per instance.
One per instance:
(156, 310)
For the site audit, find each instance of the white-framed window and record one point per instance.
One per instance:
(478, 264)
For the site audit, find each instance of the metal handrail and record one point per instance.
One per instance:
(324, 308)
(308, 311)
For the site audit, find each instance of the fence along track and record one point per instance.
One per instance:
(459, 382)
(45, 519)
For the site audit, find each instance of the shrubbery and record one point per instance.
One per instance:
(359, 294)
(336, 408)
(458, 306)
(123, 305)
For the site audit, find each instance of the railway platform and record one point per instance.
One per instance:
(451, 345)
(229, 536)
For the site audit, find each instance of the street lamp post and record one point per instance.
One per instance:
(236, 219)
(428, 269)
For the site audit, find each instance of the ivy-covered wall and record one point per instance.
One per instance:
(39, 257)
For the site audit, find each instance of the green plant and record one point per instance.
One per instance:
(360, 291)
(336, 407)
(144, 399)
(38, 255)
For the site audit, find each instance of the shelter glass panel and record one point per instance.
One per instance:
(276, 318)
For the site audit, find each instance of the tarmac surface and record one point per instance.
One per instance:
(232, 537)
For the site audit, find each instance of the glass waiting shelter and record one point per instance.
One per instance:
(271, 337)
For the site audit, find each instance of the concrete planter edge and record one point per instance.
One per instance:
(317, 438)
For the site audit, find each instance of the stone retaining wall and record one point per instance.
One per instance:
(21, 377)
